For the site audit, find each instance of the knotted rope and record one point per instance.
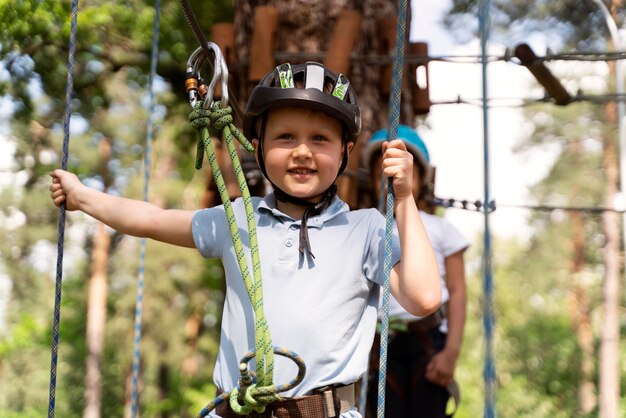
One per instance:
(255, 390)
(248, 391)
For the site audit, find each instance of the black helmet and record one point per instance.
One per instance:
(277, 89)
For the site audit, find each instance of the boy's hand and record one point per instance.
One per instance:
(398, 163)
(64, 188)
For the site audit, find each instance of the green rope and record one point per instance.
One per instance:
(215, 122)
(246, 389)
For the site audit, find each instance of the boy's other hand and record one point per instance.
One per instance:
(398, 163)
(64, 188)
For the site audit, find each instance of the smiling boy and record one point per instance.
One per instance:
(322, 264)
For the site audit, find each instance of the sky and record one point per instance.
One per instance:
(454, 133)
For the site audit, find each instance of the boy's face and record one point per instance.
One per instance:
(302, 150)
(376, 172)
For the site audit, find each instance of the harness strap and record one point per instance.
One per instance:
(327, 402)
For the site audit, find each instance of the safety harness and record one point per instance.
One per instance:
(326, 402)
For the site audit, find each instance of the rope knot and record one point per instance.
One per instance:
(221, 117)
(255, 398)
(201, 118)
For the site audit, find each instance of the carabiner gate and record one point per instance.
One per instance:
(220, 73)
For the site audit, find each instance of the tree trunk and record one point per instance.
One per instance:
(609, 340)
(609, 334)
(96, 306)
(193, 329)
(580, 315)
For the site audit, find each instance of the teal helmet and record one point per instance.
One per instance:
(414, 144)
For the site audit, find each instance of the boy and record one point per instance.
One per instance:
(422, 352)
(321, 263)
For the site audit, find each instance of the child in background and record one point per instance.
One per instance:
(322, 264)
(422, 351)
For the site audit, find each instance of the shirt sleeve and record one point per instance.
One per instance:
(208, 227)
(374, 260)
(453, 241)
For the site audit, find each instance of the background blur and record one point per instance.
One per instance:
(557, 254)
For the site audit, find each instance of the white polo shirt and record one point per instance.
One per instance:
(446, 240)
(324, 309)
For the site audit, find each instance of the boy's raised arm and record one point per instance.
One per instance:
(415, 280)
(132, 217)
(417, 286)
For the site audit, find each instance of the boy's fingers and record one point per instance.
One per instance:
(398, 144)
(59, 200)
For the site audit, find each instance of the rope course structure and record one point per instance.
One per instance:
(384, 59)
(211, 118)
(489, 367)
(479, 206)
(508, 56)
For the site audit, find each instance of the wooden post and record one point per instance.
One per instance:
(263, 42)
(387, 30)
(419, 80)
(342, 41)
(223, 34)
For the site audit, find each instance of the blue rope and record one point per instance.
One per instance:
(394, 120)
(489, 371)
(61, 225)
(142, 254)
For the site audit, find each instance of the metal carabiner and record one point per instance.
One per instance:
(220, 74)
(193, 76)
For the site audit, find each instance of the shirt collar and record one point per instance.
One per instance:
(337, 206)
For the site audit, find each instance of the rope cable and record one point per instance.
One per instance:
(394, 120)
(61, 224)
(489, 370)
(142, 252)
(69, 88)
(386, 59)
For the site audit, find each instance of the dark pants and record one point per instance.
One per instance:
(408, 393)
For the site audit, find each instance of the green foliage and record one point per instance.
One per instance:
(113, 49)
(535, 346)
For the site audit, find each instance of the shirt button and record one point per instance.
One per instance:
(288, 243)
